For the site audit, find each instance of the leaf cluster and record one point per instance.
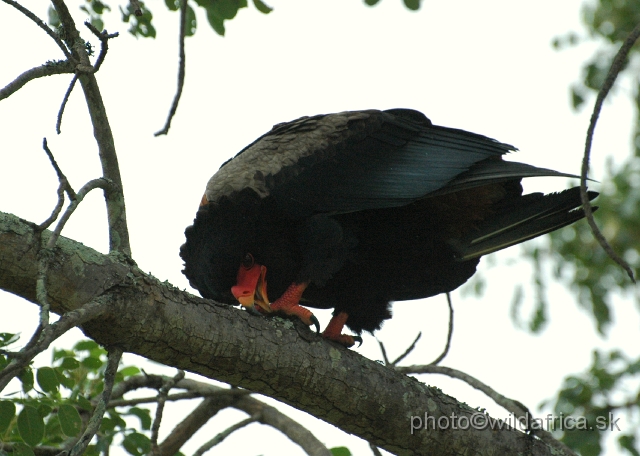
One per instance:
(54, 404)
(595, 393)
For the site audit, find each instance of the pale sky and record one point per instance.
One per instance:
(486, 67)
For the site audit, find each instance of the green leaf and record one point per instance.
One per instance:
(22, 449)
(144, 416)
(30, 426)
(340, 451)
(136, 444)
(173, 5)
(69, 363)
(48, 380)
(7, 412)
(44, 409)
(53, 19)
(92, 363)
(70, 420)
(64, 380)
(84, 403)
(263, 7)
(129, 371)
(217, 24)
(192, 22)
(8, 338)
(413, 5)
(85, 345)
(628, 442)
(26, 377)
(371, 2)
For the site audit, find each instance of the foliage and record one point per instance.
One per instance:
(55, 403)
(217, 12)
(595, 395)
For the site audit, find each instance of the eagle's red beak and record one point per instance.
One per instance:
(251, 287)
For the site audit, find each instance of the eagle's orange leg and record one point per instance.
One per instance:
(333, 331)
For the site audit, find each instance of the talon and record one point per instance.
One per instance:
(253, 311)
(357, 339)
(316, 323)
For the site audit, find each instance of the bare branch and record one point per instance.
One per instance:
(43, 26)
(375, 450)
(43, 338)
(181, 69)
(519, 411)
(61, 177)
(113, 359)
(408, 350)
(616, 67)
(226, 433)
(62, 187)
(48, 69)
(114, 196)
(193, 422)
(162, 397)
(104, 38)
(178, 397)
(384, 354)
(449, 334)
(67, 94)
(220, 398)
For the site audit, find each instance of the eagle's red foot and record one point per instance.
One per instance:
(333, 331)
(288, 305)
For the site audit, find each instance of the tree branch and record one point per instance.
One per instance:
(172, 327)
(116, 214)
(113, 359)
(48, 69)
(616, 67)
(181, 70)
(54, 36)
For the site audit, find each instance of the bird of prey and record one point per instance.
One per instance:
(354, 210)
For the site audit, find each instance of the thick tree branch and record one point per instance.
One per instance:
(275, 357)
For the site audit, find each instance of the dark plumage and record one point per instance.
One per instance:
(364, 207)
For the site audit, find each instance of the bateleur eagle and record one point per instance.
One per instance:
(354, 210)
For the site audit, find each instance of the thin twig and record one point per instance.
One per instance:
(181, 70)
(103, 183)
(47, 69)
(226, 433)
(384, 354)
(616, 67)
(67, 94)
(61, 177)
(43, 26)
(518, 410)
(46, 336)
(104, 38)
(178, 397)
(449, 335)
(162, 397)
(408, 350)
(113, 360)
(374, 449)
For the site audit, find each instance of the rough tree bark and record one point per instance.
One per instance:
(270, 356)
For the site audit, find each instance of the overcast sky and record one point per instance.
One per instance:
(486, 67)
